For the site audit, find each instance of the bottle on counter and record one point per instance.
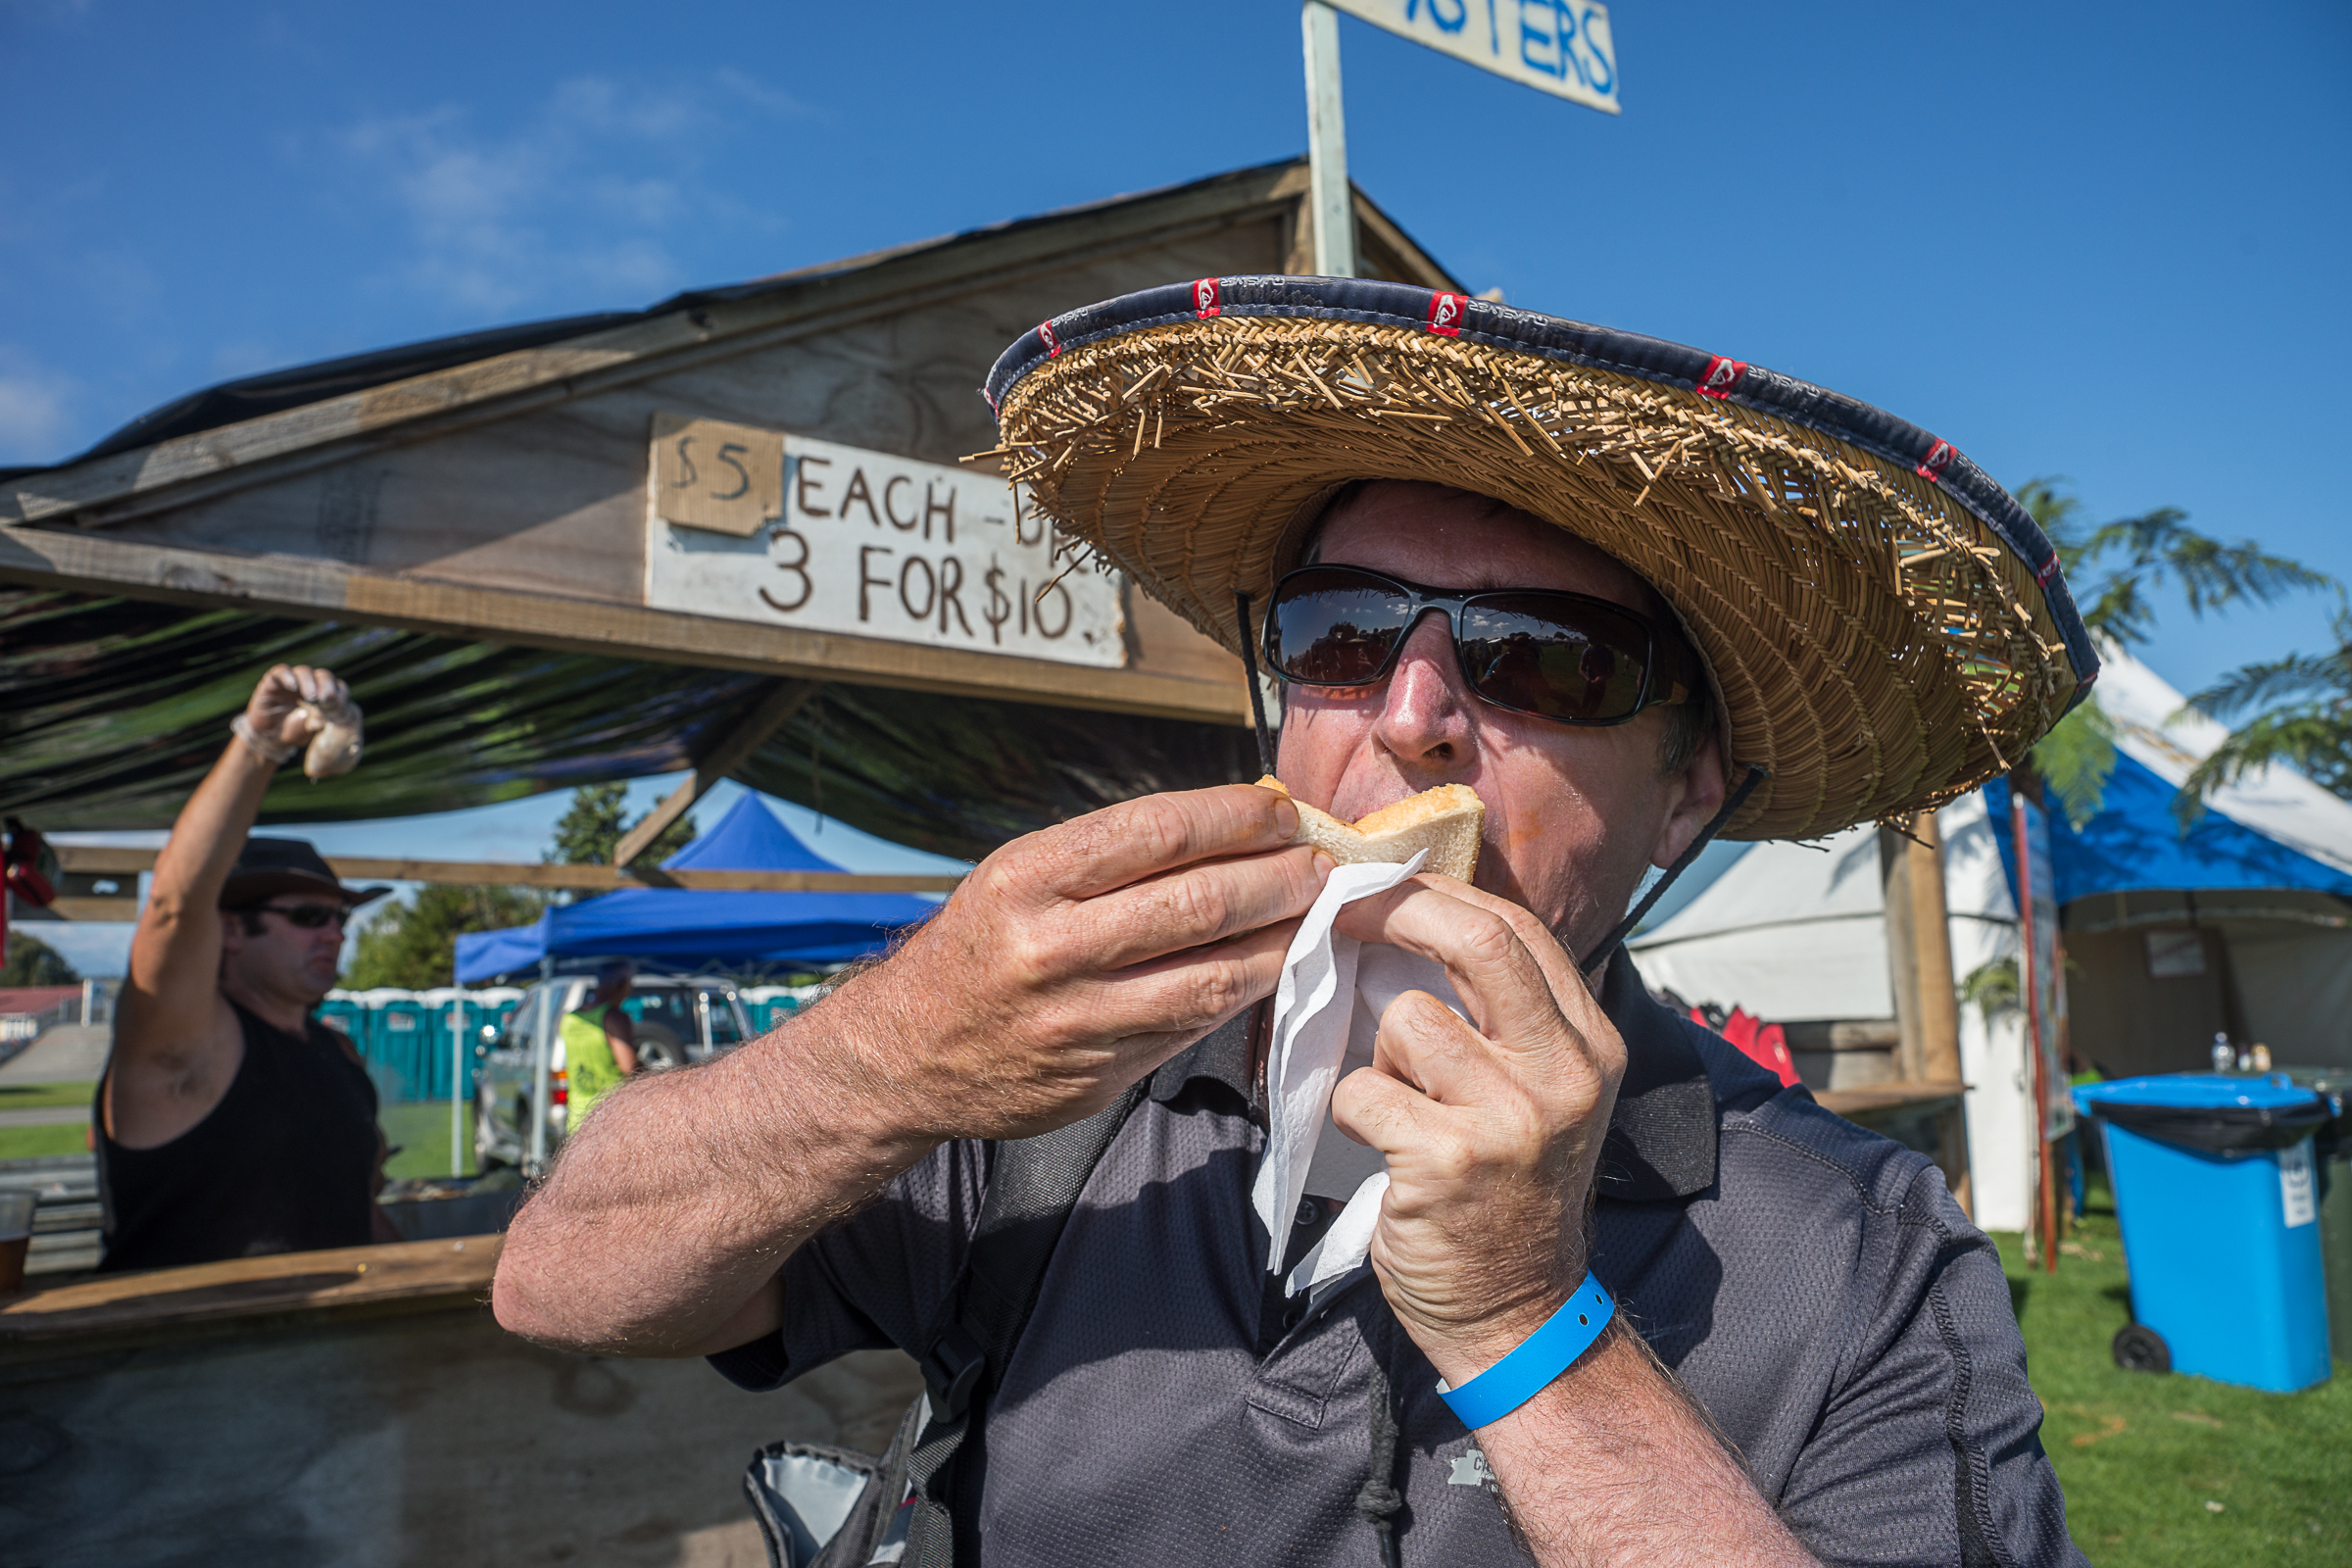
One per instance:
(2224, 1059)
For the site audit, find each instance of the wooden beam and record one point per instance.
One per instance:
(603, 878)
(93, 563)
(586, 878)
(785, 698)
(66, 907)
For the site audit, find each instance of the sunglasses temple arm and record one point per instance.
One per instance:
(1682, 863)
(1257, 698)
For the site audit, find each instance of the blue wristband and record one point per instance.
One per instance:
(1539, 1359)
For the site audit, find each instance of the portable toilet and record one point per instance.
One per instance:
(452, 1018)
(346, 1014)
(765, 1006)
(399, 1051)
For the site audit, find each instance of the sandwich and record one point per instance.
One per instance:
(1445, 821)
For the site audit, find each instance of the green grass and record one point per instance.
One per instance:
(45, 1097)
(57, 1138)
(420, 1131)
(2144, 1457)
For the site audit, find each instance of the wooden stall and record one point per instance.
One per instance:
(736, 513)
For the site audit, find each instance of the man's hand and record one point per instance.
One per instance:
(1069, 964)
(1074, 961)
(274, 711)
(1493, 1127)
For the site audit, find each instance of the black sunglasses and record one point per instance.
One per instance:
(308, 916)
(1568, 658)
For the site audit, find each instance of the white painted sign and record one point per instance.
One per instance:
(2296, 1194)
(865, 544)
(1561, 47)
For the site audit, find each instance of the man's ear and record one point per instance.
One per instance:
(1697, 792)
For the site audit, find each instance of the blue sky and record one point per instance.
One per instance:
(2103, 241)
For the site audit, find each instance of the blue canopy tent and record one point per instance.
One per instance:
(693, 929)
(2239, 924)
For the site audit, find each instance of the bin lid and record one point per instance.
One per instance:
(2197, 1091)
(2221, 1112)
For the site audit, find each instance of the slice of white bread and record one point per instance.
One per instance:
(1445, 821)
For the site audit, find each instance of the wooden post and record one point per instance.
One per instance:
(1919, 965)
(787, 698)
(1328, 197)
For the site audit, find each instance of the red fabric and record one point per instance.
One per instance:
(1764, 1044)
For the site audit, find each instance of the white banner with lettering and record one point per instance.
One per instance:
(1561, 47)
(766, 526)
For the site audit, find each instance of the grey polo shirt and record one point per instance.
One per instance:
(1813, 1284)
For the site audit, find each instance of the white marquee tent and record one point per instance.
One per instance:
(1796, 931)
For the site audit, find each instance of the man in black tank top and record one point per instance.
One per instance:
(230, 1121)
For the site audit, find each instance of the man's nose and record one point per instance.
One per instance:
(1426, 717)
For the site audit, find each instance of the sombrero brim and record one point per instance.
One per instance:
(1886, 628)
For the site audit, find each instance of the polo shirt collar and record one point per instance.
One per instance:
(1661, 1140)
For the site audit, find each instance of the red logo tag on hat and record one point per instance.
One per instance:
(1045, 335)
(1204, 298)
(1721, 377)
(2049, 569)
(1939, 457)
(1446, 311)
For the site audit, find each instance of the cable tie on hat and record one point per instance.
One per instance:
(268, 751)
(1536, 1360)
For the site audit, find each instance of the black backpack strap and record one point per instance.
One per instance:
(1031, 1191)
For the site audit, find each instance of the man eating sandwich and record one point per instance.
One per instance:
(1614, 1295)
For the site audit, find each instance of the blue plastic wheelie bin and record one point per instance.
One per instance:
(2214, 1191)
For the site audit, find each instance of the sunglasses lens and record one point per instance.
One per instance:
(1332, 626)
(311, 917)
(1553, 658)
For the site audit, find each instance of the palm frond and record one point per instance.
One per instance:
(2314, 739)
(2075, 760)
(1992, 990)
(2262, 684)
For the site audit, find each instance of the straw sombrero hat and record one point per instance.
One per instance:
(1885, 627)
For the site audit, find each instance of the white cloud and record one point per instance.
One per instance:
(36, 419)
(577, 206)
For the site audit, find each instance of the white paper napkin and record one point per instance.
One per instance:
(1327, 1011)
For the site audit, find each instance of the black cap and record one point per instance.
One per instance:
(268, 868)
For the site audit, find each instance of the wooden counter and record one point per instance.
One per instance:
(1930, 1117)
(361, 1407)
(1866, 1105)
(285, 1291)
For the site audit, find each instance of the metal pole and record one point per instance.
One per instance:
(1328, 198)
(457, 1084)
(543, 1033)
(2029, 974)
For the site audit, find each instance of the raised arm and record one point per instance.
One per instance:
(176, 1041)
(1068, 966)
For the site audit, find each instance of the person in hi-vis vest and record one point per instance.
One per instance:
(599, 1042)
